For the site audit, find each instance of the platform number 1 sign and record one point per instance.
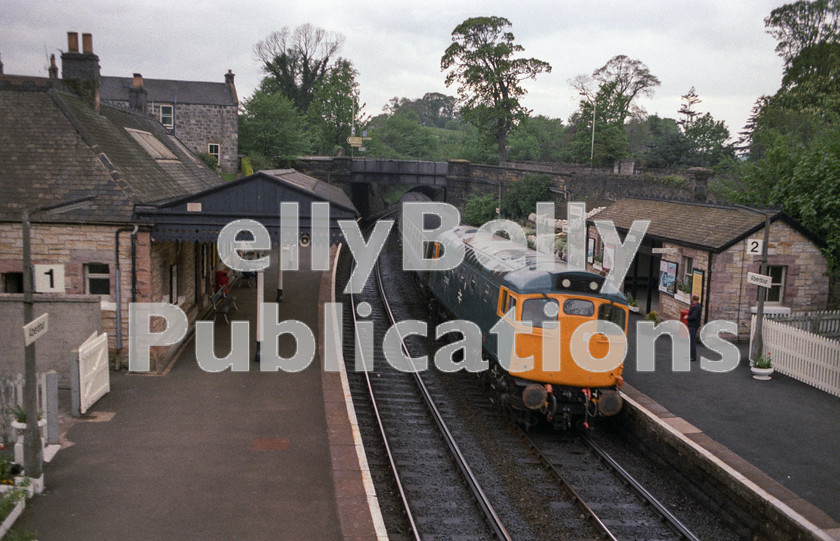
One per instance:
(754, 246)
(49, 278)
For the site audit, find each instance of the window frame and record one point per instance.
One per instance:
(776, 285)
(170, 115)
(88, 276)
(217, 154)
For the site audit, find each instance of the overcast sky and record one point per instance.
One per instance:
(718, 46)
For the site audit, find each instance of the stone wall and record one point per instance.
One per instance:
(466, 178)
(72, 319)
(73, 246)
(806, 282)
(198, 125)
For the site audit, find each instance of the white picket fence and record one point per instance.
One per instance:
(824, 323)
(11, 393)
(802, 355)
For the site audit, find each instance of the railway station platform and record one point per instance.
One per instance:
(782, 435)
(187, 454)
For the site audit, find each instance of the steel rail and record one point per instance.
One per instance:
(391, 461)
(493, 518)
(582, 505)
(672, 521)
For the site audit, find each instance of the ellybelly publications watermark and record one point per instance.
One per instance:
(469, 339)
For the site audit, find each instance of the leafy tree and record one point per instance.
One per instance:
(708, 138)
(538, 139)
(480, 59)
(802, 25)
(402, 136)
(480, 209)
(520, 198)
(667, 146)
(627, 78)
(611, 142)
(433, 109)
(297, 62)
(271, 131)
(689, 100)
(330, 114)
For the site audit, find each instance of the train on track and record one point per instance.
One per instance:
(488, 286)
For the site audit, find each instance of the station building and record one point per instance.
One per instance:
(709, 250)
(147, 220)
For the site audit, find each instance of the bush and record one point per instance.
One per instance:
(209, 160)
(480, 209)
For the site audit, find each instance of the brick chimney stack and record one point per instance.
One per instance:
(80, 71)
(229, 77)
(1, 67)
(137, 94)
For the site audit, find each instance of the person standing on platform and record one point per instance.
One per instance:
(694, 325)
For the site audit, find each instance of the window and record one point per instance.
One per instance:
(152, 145)
(688, 270)
(776, 293)
(213, 150)
(167, 116)
(97, 279)
(12, 282)
(536, 311)
(578, 307)
(611, 312)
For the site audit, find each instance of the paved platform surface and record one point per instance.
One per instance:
(197, 455)
(782, 428)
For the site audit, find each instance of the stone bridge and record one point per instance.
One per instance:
(365, 180)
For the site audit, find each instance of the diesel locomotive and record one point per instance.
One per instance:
(499, 279)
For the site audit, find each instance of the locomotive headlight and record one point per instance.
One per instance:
(593, 285)
(566, 283)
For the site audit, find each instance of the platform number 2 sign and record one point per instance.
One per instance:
(754, 246)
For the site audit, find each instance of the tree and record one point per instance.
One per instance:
(480, 59)
(330, 114)
(708, 141)
(402, 136)
(297, 62)
(803, 24)
(538, 139)
(271, 131)
(629, 78)
(690, 99)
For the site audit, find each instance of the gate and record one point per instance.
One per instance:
(90, 374)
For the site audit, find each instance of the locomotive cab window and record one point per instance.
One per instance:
(432, 249)
(613, 313)
(534, 311)
(579, 307)
(506, 302)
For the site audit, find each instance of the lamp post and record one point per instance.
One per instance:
(758, 340)
(32, 452)
(592, 144)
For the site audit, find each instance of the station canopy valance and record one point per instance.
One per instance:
(200, 216)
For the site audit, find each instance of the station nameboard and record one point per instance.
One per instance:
(35, 329)
(759, 279)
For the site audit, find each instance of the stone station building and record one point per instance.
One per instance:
(709, 250)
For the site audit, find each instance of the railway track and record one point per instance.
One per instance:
(441, 498)
(549, 487)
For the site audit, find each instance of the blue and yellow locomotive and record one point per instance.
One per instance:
(498, 279)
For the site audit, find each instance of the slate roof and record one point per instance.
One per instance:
(709, 227)
(170, 91)
(54, 147)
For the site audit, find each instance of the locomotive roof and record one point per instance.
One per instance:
(515, 266)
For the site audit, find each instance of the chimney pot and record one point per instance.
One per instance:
(87, 43)
(72, 42)
(138, 81)
(229, 77)
(53, 68)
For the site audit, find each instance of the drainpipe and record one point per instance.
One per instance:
(118, 288)
(708, 288)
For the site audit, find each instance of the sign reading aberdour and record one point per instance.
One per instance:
(414, 238)
(35, 329)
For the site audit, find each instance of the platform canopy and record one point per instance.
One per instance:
(200, 216)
